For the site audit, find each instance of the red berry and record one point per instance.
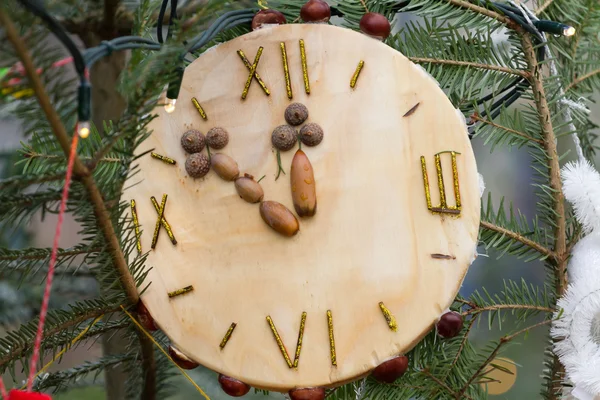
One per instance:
(376, 25)
(181, 359)
(315, 11)
(267, 17)
(232, 386)
(449, 324)
(307, 394)
(145, 318)
(391, 370)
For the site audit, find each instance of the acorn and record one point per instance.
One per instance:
(375, 25)
(311, 134)
(181, 359)
(193, 141)
(145, 318)
(295, 114)
(315, 11)
(307, 394)
(249, 189)
(278, 217)
(284, 137)
(390, 370)
(224, 166)
(217, 138)
(267, 17)
(302, 179)
(449, 325)
(197, 165)
(233, 387)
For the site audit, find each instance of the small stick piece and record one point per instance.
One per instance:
(256, 75)
(164, 159)
(227, 335)
(412, 110)
(161, 211)
(443, 256)
(389, 317)
(354, 79)
(199, 108)
(181, 291)
(282, 348)
(136, 224)
(252, 72)
(304, 67)
(164, 221)
(331, 338)
(300, 336)
(286, 71)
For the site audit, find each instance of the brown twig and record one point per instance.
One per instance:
(494, 353)
(110, 13)
(520, 238)
(541, 8)
(103, 218)
(496, 307)
(462, 343)
(498, 68)
(486, 121)
(485, 11)
(442, 384)
(581, 78)
(364, 5)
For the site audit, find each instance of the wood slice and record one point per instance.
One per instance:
(373, 239)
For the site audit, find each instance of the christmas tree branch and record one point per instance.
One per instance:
(33, 154)
(486, 121)
(482, 11)
(520, 238)
(582, 78)
(462, 344)
(46, 254)
(443, 385)
(103, 219)
(560, 222)
(541, 8)
(498, 68)
(496, 307)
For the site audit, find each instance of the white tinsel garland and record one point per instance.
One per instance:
(576, 326)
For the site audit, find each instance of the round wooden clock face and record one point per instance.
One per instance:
(368, 275)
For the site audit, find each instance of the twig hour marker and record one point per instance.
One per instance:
(201, 111)
(227, 335)
(331, 338)
(282, 348)
(256, 75)
(304, 67)
(181, 291)
(164, 159)
(412, 110)
(164, 221)
(354, 79)
(439, 256)
(252, 72)
(286, 71)
(161, 211)
(136, 224)
(389, 317)
(300, 337)
(443, 208)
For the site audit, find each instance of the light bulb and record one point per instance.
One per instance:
(570, 31)
(83, 129)
(170, 105)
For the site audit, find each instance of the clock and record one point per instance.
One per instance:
(359, 282)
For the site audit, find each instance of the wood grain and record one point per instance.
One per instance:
(371, 240)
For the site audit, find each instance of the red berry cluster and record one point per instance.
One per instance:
(318, 11)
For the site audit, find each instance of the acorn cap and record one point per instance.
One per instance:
(315, 11)
(197, 165)
(295, 114)
(193, 141)
(284, 137)
(217, 138)
(376, 25)
(311, 134)
(267, 17)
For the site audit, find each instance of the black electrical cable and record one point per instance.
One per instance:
(38, 10)
(172, 17)
(159, 23)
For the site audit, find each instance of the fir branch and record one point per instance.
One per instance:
(497, 68)
(443, 385)
(42, 254)
(520, 238)
(541, 8)
(33, 154)
(503, 340)
(484, 11)
(581, 78)
(463, 341)
(477, 118)
(22, 181)
(479, 310)
(102, 215)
